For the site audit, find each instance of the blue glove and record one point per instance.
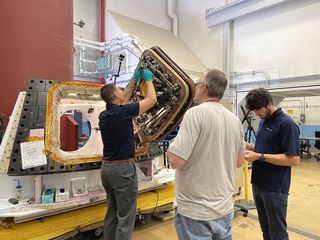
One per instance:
(147, 75)
(137, 74)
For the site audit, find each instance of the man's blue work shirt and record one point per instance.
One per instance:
(276, 135)
(116, 128)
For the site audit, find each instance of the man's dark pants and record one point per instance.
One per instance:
(121, 185)
(272, 213)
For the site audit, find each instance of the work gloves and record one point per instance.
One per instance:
(145, 73)
(137, 74)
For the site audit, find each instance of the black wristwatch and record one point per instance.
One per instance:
(262, 159)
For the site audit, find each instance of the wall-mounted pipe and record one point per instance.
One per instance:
(103, 20)
(253, 73)
(240, 74)
(292, 100)
(89, 41)
(241, 8)
(102, 33)
(88, 46)
(172, 15)
(227, 32)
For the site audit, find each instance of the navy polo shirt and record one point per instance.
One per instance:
(116, 129)
(276, 135)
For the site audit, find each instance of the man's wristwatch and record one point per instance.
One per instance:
(262, 159)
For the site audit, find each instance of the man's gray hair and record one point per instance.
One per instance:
(216, 83)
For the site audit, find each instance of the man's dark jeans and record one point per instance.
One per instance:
(272, 212)
(121, 184)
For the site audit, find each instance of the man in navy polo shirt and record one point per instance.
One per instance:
(118, 172)
(275, 151)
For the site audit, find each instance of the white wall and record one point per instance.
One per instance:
(112, 29)
(286, 38)
(205, 43)
(89, 12)
(192, 28)
(151, 12)
(308, 105)
(312, 109)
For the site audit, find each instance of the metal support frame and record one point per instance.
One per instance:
(10, 134)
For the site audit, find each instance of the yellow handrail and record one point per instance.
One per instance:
(246, 180)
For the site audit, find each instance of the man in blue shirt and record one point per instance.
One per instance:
(275, 151)
(118, 173)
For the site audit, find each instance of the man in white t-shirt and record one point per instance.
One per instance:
(208, 148)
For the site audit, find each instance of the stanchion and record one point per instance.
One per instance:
(244, 205)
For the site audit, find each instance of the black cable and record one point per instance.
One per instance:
(156, 202)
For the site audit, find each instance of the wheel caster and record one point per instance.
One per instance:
(98, 232)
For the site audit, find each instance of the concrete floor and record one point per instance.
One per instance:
(303, 212)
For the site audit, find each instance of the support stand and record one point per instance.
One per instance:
(250, 133)
(120, 58)
(244, 205)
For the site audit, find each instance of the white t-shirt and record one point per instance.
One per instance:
(209, 139)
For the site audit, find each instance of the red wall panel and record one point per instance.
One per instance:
(36, 43)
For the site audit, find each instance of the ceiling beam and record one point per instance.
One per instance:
(239, 9)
